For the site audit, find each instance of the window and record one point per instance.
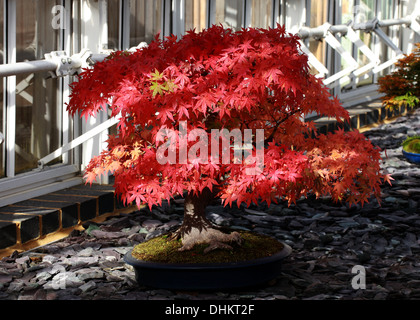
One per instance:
(113, 20)
(347, 16)
(261, 14)
(319, 11)
(38, 117)
(229, 13)
(130, 22)
(386, 11)
(145, 20)
(195, 15)
(361, 12)
(365, 12)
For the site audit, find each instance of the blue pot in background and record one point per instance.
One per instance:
(412, 157)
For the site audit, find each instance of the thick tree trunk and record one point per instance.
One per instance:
(197, 229)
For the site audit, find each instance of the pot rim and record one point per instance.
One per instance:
(283, 253)
(411, 153)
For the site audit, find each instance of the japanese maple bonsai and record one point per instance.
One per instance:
(218, 79)
(402, 87)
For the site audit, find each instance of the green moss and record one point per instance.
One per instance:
(160, 249)
(412, 144)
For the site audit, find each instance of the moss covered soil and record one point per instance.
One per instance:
(163, 250)
(412, 145)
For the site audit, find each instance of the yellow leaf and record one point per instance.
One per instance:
(335, 154)
(135, 153)
(156, 75)
(157, 88)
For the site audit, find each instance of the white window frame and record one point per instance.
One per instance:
(17, 187)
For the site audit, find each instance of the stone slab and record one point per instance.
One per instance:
(87, 205)
(69, 210)
(7, 234)
(105, 197)
(50, 217)
(29, 225)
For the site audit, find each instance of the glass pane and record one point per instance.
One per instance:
(113, 24)
(38, 116)
(386, 9)
(261, 13)
(145, 20)
(385, 53)
(347, 11)
(365, 12)
(229, 13)
(195, 15)
(318, 18)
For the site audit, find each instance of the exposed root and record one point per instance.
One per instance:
(215, 238)
(197, 229)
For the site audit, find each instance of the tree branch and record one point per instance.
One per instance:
(278, 123)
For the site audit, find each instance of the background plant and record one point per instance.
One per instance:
(402, 85)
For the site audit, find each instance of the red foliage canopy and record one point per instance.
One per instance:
(215, 79)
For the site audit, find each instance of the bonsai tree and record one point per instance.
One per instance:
(402, 86)
(180, 103)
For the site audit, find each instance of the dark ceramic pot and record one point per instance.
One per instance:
(413, 157)
(215, 276)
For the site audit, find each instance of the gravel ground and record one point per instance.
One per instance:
(328, 241)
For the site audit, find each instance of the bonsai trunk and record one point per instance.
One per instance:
(197, 229)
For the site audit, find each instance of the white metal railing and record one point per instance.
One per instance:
(58, 63)
(7, 70)
(328, 33)
(78, 141)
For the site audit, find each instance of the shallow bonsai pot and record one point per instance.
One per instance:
(413, 157)
(194, 276)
